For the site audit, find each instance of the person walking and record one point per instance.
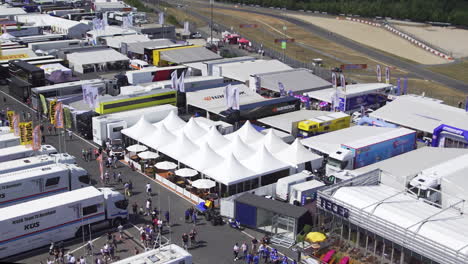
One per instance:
(70, 135)
(194, 218)
(148, 189)
(192, 235)
(266, 254)
(244, 249)
(114, 176)
(89, 154)
(82, 260)
(136, 251)
(114, 161)
(119, 177)
(148, 206)
(254, 244)
(185, 239)
(120, 229)
(187, 215)
(106, 177)
(166, 216)
(49, 128)
(256, 259)
(43, 139)
(84, 154)
(249, 258)
(235, 251)
(89, 248)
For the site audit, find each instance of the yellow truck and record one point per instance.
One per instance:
(323, 124)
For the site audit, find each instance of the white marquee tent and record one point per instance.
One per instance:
(238, 148)
(172, 122)
(182, 147)
(205, 157)
(273, 142)
(159, 138)
(248, 134)
(231, 171)
(264, 162)
(139, 130)
(296, 154)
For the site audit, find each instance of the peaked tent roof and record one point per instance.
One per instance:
(238, 148)
(274, 143)
(231, 171)
(139, 130)
(159, 138)
(183, 146)
(248, 133)
(214, 139)
(205, 157)
(264, 162)
(192, 130)
(296, 154)
(172, 122)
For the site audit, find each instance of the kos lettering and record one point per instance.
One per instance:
(31, 226)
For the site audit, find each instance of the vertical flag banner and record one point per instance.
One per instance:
(52, 111)
(26, 132)
(68, 117)
(161, 18)
(44, 104)
(257, 84)
(37, 138)
(186, 28)
(387, 75)
(466, 104)
(10, 115)
(379, 73)
(235, 98)
(174, 80)
(181, 83)
(130, 20)
(104, 19)
(101, 167)
(343, 82)
(362, 111)
(59, 122)
(227, 96)
(16, 121)
(334, 80)
(90, 95)
(399, 87)
(281, 89)
(405, 85)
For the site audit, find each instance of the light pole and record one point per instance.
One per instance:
(211, 23)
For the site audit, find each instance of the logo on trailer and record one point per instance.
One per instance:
(31, 226)
(283, 108)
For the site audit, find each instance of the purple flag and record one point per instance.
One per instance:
(379, 73)
(334, 81)
(281, 88)
(343, 82)
(387, 75)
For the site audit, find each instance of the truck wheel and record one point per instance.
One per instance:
(80, 232)
(116, 222)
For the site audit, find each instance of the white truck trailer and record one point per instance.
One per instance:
(427, 184)
(24, 185)
(22, 151)
(283, 185)
(39, 222)
(9, 140)
(168, 254)
(36, 161)
(109, 126)
(150, 74)
(305, 192)
(4, 130)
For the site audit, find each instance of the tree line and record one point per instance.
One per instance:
(447, 11)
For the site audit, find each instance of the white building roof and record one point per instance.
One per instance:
(48, 20)
(241, 71)
(11, 11)
(331, 141)
(110, 31)
(165, 255)
(116, 41)
(422, 114)
(447, 227)
(351, 90)
(213, 100)
(295, 80)
(95, 57)
(284, 121)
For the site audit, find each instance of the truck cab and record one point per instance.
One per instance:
(117, 148)
(338, 161)
(116, 206)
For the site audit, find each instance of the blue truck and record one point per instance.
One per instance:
(363, 152)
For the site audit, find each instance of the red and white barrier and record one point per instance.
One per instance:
(418, 43)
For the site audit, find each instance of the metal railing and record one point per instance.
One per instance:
(406, 238)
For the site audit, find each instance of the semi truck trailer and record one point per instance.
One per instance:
(24, 185)
(59, 217)
(9, 140)
(363, 152)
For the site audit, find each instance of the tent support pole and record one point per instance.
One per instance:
(402, 255)
(382, 258)
(357, 236)
(375, 244)
(393, 251)
(367, 244)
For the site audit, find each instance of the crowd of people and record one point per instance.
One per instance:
(259, 251)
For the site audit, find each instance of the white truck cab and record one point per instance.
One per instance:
(116, 206)
(341, 159)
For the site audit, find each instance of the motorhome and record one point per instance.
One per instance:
(22, 151)
(9, 140)
(24, 185)
(36, 161)
(39, 222)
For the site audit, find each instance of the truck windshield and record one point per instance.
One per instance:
(336, 163)
(122, 204)
(84, 179)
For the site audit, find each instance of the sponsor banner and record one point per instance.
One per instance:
(68, 117)
(16, 121)
(334, 80)
(52, 111)
(44, 104)
(10, 115)
(90, 95)
(387, 75)
(343, 82)
(37, 138)
(288, 40)
(14, 57)
(59, 120)
(379, 73)
(248, 26)
(353, 66)
(26, 133)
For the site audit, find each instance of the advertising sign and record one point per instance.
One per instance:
(26, 133)
(52, 111)
(37, 137)
(44, 104)
(59, 120)
(353, 67)
(379, 73)
(10, 115)
(16, 121)
(333, 207)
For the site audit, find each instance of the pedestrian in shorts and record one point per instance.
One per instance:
(185, 241)
(235, 251)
